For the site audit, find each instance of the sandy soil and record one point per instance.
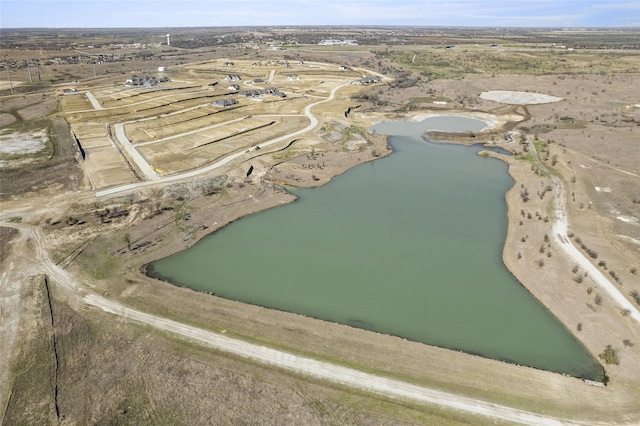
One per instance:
(21, 143)
(518, 98)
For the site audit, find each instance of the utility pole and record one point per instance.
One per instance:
(38, 68)
(94, 71)
(29, 70)
(9, 74)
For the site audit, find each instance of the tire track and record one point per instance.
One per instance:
(303, 366)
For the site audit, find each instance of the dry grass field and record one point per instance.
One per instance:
(73, 364)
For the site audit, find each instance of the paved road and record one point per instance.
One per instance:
(226, 160)
(93, 100)
(140, 161)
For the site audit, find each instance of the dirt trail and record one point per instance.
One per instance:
(11, 281)
(560, 228)
(41, 264)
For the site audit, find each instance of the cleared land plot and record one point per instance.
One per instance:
(106, 167)
(205, 147)
(176, 127)
(104, 115)
(91, 135)
(180, 123)
(78, 102)
(89, 129)
(6, 119)
(291, 105)
(518, 98)
(141, 99)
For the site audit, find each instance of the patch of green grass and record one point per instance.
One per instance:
(106, 268)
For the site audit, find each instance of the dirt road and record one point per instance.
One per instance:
(560, 228)
(40, 263)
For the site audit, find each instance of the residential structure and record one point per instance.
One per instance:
(366, 80)
(224, 103)
(259, 92)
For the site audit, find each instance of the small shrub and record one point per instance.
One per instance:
(609, 356)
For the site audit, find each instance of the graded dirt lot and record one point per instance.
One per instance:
(92, 224)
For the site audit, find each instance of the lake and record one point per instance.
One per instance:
(409, 245)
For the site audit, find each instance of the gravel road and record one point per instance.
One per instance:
(36, 261)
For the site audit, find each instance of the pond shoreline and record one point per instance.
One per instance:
(437, 344)
(460, 372)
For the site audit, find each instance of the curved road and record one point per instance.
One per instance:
(192, 173)
(306, 366)
(309, 367)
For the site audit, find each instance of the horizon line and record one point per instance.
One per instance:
(629, 27)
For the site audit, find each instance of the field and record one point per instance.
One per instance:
(99, 177)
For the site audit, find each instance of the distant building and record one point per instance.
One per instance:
(233, 87)
(367, 80)
(224, 103)
(335, 42)
(144, 81)
(259, 92)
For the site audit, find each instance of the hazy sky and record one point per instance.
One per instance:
(188, 13)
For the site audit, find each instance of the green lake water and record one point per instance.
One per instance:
(409, 245)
